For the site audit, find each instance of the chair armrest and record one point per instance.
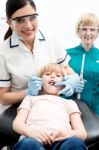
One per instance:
(7, 135)
(91, 123)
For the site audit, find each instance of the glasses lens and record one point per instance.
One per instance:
(88, 28)
(22, 20)
(19, 20)
(33, 17)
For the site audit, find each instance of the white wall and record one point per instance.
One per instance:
(59, 15)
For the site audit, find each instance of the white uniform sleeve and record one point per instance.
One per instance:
(4, 75)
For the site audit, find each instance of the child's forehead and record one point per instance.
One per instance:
(51, 69)
(58, 69)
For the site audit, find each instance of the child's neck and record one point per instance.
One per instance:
(45, 93)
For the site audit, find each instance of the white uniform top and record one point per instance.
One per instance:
(17, 62)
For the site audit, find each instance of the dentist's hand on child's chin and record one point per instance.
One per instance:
(34, 86)
(69, 83)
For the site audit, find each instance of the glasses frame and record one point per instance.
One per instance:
(15, 20)
(87, 27)
(93, 29)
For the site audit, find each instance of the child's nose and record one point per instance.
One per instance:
(53, 75)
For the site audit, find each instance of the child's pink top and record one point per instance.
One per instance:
(49, 112)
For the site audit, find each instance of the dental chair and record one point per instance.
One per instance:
(91, 123)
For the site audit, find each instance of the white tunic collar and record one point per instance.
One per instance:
(14, 40)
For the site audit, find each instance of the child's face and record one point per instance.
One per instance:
(49, 79)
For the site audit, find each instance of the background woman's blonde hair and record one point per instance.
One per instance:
(53, 67)
(87, 19)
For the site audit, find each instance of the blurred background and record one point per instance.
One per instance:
(58, 15)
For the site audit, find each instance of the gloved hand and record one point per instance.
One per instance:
(69, 82)
(34, 86)
(80, 86)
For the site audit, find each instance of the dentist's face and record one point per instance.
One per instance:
(24, 22)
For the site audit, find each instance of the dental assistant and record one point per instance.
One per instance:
(87, 29)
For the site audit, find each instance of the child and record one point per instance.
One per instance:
(48, 121)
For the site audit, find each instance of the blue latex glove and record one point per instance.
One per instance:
(69, 82)
(34, 86)
(80, 86)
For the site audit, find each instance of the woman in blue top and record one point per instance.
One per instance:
(85, 60)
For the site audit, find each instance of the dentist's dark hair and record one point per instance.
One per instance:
(11, 7)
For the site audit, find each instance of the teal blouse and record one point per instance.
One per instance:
(90, 93)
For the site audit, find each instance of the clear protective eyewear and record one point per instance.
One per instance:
(22, 19)
(92, 28)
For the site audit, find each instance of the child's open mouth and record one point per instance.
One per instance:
(52, 82)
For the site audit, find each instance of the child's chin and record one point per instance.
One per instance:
(53, 93)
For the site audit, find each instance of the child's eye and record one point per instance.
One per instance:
(58, 75)
(47, 73)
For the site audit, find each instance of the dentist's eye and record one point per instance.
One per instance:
(20, 20)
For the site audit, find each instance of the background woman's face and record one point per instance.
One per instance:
(25, 30)
(88, 35)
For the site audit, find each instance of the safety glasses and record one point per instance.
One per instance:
(85, 28)
(23, 19)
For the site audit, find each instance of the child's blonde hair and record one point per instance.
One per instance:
(53, 67)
